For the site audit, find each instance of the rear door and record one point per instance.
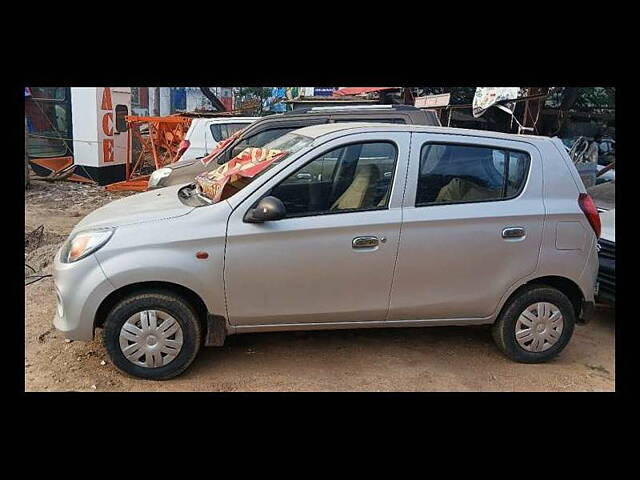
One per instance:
(467, 234)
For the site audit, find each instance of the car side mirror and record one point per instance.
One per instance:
(268, 209)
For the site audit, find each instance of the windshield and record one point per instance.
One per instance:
(240, 171)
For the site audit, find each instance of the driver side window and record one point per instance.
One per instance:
(350, 178)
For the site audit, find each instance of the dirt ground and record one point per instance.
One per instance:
(411, 359)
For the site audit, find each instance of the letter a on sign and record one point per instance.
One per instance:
(106, 99)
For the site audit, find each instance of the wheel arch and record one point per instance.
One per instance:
(563, 284)
(114, 297)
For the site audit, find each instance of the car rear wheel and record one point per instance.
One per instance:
(153, 335)
(535, 325)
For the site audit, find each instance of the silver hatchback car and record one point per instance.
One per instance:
(353, 226)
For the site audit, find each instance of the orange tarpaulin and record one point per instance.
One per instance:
(138, 184)
(56, 165)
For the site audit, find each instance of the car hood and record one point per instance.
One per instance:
(144, 207)
(182, 163)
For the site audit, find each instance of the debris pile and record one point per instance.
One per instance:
(71, 195)
(39, 249)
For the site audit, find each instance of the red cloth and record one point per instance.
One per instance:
(221, 146)
(359, 90)
(248, 164)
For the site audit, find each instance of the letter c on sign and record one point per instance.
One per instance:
(107, 124)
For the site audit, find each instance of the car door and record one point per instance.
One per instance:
(332, 258)
(467, 237)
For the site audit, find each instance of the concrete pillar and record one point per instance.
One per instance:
(154, 101)
(165, 101)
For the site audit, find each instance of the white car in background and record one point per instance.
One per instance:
(205, 133)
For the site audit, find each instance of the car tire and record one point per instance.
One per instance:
(539, 337)
(148, 339)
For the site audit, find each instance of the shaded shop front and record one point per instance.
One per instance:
(81, 126)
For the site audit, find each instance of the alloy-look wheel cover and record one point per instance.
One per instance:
(151, 339)
(539, 327)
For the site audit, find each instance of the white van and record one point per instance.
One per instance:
(205, 133)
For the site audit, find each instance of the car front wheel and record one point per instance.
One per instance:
(535, 325)
(153, 335)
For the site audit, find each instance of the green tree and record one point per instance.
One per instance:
(244, 94)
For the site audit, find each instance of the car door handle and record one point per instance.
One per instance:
(365, 242)
(513, 232)
(303, 176)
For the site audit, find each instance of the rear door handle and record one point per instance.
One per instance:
(513, 232)
(365, 242)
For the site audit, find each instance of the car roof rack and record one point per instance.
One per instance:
(349, 108)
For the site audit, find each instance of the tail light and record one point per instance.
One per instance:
(184, 144)
(590, 211)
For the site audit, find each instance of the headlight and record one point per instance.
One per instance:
(83, 244)
(158, 175)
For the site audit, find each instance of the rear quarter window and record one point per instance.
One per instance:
(221, 131)
(454, 173)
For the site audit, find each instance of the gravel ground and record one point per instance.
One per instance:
(412, 359)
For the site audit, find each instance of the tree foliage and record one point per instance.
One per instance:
(245, 94)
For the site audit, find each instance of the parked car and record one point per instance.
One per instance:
(314, 242)
(204, 134)
(269, 128)
(607, 257)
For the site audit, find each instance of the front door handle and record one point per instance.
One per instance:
(513, 232)
(365, 242)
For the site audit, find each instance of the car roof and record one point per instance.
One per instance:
(326, 111)
(316, 131)
(346, 109)
(226, 119)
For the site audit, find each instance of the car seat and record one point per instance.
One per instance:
(361, 191)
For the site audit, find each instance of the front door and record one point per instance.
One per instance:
(332, 258)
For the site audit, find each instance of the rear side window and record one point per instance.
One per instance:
(467, 173)
(264, 137)
(220, 131)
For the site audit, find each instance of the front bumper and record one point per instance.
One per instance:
(80, 289)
